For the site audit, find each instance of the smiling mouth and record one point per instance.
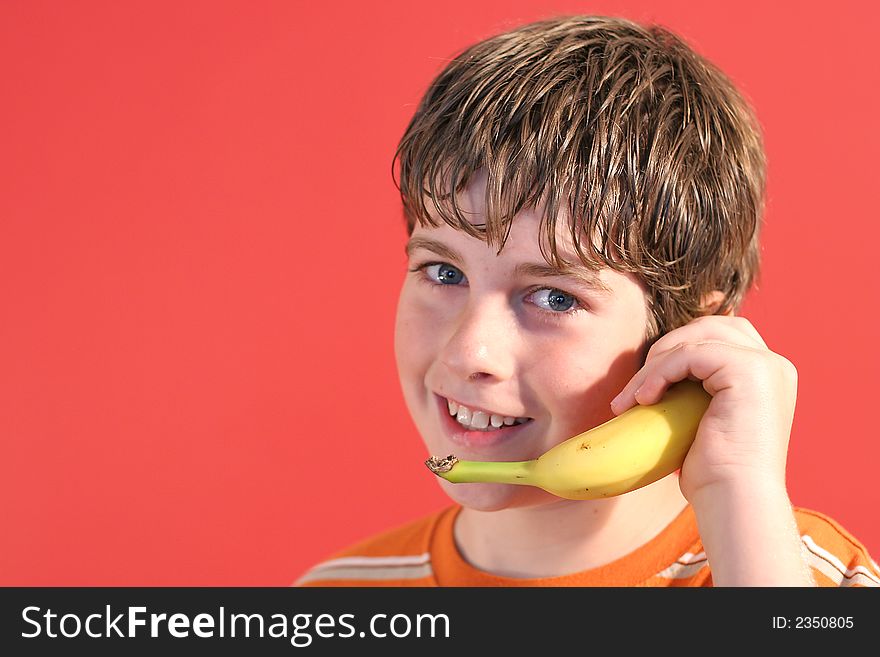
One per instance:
(477, 420)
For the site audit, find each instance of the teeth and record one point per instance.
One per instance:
(479, 420)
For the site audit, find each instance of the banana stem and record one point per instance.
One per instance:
(495, 472)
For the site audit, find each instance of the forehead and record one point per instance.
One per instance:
(527, 238)
(470, 209)
(526, 234)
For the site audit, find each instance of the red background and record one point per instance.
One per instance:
(201, 248)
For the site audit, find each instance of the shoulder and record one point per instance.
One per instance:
(836, 557)
(396, 557)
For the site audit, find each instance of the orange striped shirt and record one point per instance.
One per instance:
(423, 553)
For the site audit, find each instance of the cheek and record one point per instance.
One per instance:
(575, 384)
(415, 330)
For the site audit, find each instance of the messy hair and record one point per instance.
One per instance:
(642, 147)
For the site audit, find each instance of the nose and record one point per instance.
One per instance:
(481, 344)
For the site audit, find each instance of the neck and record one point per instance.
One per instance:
(566, 536)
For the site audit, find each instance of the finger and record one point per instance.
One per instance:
(746, 327)
(698, 361)
(734, 330)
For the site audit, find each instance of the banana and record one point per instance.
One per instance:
(634, 449)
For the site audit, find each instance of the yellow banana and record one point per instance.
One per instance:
(634, 449)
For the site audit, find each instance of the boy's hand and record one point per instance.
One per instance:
(742, 439)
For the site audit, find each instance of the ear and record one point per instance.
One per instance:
(711, 301)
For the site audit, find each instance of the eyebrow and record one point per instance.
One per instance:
(580, 275)
(439, 248)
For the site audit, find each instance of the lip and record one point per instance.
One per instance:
(477, 408)
(475, 440)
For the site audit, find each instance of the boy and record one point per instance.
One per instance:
(583, 198)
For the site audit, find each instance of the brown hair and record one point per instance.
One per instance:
(622, 129)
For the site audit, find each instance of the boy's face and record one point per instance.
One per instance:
(474, 329)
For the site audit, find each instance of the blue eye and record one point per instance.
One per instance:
(555, 304)
(555, 300)
(445, 273)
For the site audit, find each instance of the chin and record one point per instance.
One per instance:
(494, 497)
